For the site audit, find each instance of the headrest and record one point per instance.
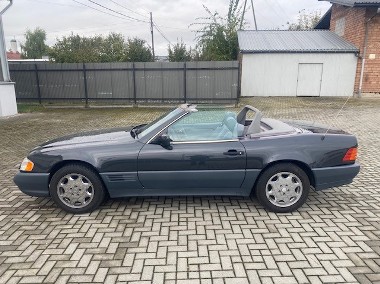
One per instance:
(231, 122)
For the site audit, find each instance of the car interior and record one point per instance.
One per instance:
(211, 125)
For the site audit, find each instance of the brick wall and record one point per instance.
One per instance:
(354, 32)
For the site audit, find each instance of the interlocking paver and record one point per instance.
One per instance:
(334, 238)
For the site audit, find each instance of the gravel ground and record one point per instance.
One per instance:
(334, 238)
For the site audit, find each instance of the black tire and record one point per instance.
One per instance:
(96, 190)
(297, 176)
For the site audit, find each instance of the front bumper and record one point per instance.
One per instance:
(335, 176)
(33, 184)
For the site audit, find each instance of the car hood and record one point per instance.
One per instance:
(91, 137)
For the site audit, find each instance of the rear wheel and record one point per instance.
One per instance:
(77, 189)
(283, 188)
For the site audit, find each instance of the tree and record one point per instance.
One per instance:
(138, 51)
(35, 46)
(305, 20)
(77, 49)
(179, 53)
(113, 48)
(217, 36)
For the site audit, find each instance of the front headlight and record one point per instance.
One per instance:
(26, 165)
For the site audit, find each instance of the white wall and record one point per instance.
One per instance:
(275, 74)
(8, 104)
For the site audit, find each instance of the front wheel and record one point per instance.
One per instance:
(283, 188)
(77, 189)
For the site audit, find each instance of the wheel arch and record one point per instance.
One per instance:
(64, 163)
(305, 167)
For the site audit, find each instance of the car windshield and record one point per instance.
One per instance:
(162, 120)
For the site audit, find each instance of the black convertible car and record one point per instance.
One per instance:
(193, 151)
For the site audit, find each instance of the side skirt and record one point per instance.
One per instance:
(121, 184)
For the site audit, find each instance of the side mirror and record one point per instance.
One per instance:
(165, 141)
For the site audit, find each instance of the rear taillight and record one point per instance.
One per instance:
(351, 155)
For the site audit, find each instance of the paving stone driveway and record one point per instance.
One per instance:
(334, 238)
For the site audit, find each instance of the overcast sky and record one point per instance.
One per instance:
(61, 17)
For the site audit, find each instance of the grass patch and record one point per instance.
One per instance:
(27, 108)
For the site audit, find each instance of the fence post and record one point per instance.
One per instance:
(134, 85)
(184, 82)
(38, 84)
(85, 84)
(238, 95)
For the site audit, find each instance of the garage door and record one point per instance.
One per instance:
(309, 79)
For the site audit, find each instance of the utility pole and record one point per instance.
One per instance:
(8, 105)
(254, 15)
(3, 50)
(151, 31)
(242, 16)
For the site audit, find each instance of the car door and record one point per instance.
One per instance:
(201, 161)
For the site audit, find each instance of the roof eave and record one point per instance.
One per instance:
(298, 51)
(366, 5)
(354, 4)
(324, 20)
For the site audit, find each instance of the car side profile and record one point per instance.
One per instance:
(193, 151)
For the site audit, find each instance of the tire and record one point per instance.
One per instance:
(283, 188)
(77, 189)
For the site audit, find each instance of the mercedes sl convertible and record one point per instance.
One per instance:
(193, 151)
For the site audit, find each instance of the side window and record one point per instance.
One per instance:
(210, 125)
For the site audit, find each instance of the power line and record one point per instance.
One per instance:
(109, 9)
(101, 11)
(85, 5)
(282, 9)
(59, 4)
(267, 19)
(92, 28)
(118, 4)
(275, 10)
(162, 34)
(174, 28)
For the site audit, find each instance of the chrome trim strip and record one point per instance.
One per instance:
(273, 134)
(204, 142)
(159, 132)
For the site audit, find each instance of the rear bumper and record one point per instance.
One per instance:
(33, 184)
(335, 176)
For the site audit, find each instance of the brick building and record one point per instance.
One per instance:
(359, 23)
(11, 55)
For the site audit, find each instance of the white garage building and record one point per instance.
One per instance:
(296, 63)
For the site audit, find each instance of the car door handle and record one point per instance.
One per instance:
(233, 153)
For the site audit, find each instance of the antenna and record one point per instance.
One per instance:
(348, 98)
(254, 14)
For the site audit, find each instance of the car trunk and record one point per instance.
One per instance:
(314, 127)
